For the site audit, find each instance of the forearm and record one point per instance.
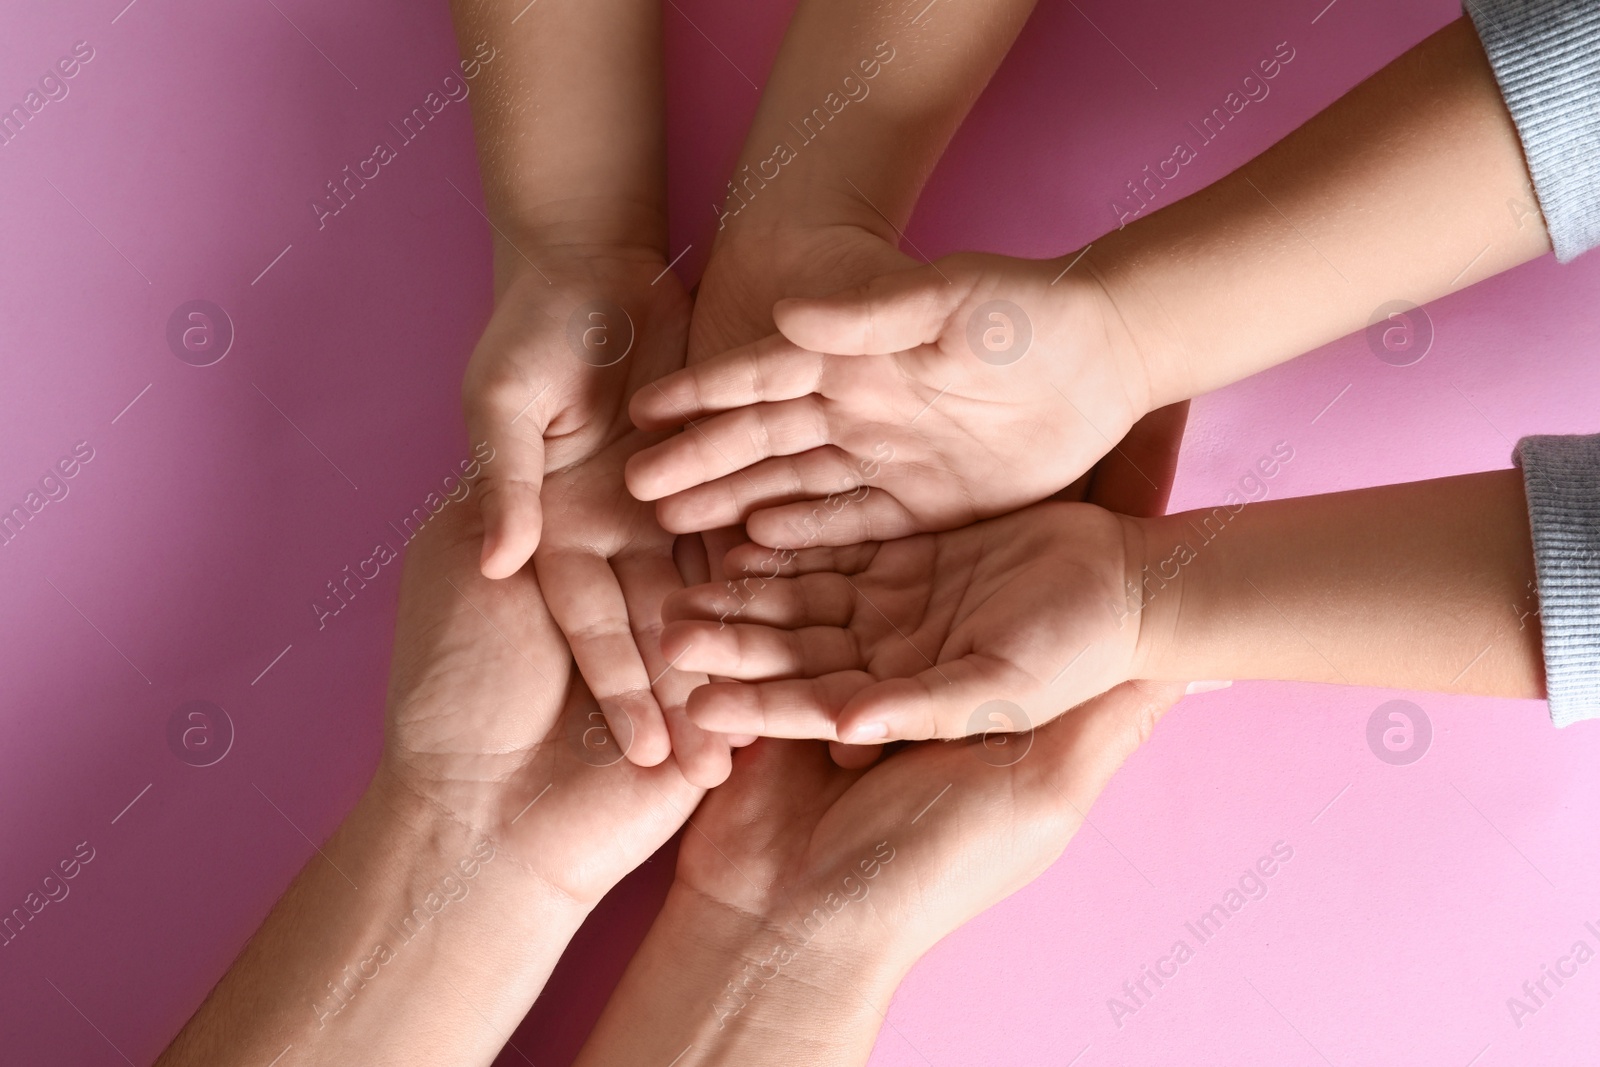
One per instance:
(711, 986)
(408, 939)
(1421, 586)
(1409, 187)
(860, 105)
(569, 124)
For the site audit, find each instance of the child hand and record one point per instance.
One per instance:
(547, 387)
(913, 638)
(956, 391)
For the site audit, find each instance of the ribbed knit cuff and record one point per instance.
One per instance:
(1562, 479)
(1546, 57)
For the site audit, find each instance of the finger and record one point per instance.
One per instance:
(647, 579)
(770, 369)
(798, 708)
(945, 700)
(1135, 478)
(827, 475)
(891, 313)
(760, 561)
(508, 419)
(754, 653)
(822, 599)
(588, 605)
(874, 516)
(724, 444)
(704, 757)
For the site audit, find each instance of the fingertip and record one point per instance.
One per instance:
(640, 729)
(676, 517)
(715, 707)
(709, 765)
(636, 475)
(648, 754)
(652, 407)
(677, 636)
(512, 525)
(866, 731)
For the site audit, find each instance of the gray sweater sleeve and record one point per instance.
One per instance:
(1546, 57)
(1562, 479)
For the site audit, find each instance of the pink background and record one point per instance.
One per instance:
(1415, 903)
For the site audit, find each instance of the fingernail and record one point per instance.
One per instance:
(865, 733)
(1204, 687)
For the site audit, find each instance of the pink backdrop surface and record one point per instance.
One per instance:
(182, 562)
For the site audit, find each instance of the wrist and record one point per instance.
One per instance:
(1162, 591)
(551, 242)
(1155, 341)
(777, 981)
(465, 829)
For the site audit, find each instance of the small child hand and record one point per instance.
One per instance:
(936, 396)
(909, 639)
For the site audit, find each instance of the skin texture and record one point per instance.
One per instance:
(490, 747)
(1293, 250)
(805, 891)
(586, 312)
(1422, 586)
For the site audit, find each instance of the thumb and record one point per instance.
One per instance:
(891, 313)
(512, 477)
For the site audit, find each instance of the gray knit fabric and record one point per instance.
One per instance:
(1546, 57)
(1562, 478)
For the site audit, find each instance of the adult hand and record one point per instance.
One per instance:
(805, 891)
(422, 931)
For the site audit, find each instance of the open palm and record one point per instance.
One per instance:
(913, 638)
(488, 721)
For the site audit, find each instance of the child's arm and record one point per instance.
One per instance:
(861, 101)
(1422, 586)
(1410, 186)
(568, 109)
(569, 125)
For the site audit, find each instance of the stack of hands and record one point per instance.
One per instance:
(840, 496)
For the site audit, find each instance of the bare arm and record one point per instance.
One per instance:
(409, 939)
(564, 72)
(1422, 586)
(1411, 186)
